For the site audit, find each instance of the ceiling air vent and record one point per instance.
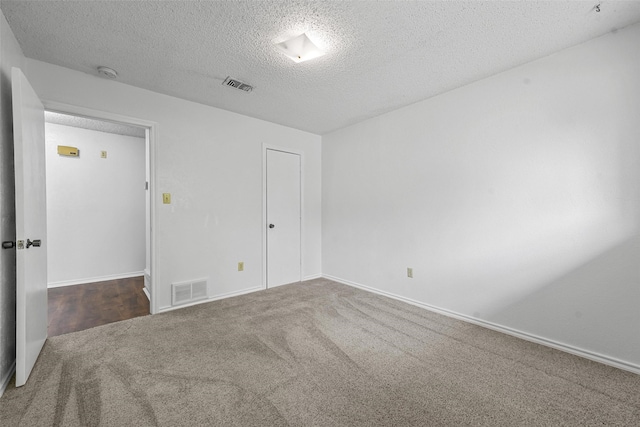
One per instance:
(237, 84)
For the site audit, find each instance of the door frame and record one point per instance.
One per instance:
(265, 148)
(153, 136)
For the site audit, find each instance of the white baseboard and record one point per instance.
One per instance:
(146, 292)
(313, 276)
(95, 279)
(214, 298)
(611, 361)
(7, 377)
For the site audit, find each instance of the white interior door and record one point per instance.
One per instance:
(31, 225)
(283, 218)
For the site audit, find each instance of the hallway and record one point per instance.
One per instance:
(78, 307)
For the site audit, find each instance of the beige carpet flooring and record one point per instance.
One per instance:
(313, 354)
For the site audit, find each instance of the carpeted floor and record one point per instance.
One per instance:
(313, 354)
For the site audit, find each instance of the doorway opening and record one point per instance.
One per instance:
(98, 177)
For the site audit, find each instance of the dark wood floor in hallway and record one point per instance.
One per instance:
(78, 307)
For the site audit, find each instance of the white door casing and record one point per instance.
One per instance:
(283, 217)
(31, 223)
(152, 136)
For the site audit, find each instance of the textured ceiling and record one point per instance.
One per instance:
(380, 55)
(92, 124)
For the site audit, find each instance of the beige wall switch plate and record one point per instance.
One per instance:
(166, 198)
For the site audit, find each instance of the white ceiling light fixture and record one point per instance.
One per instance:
(107, 72)
(300, 48)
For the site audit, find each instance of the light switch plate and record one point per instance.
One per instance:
(166, 198)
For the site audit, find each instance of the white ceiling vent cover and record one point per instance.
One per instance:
(183, 293)
(237, 84)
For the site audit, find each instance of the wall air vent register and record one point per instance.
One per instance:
(186, 292)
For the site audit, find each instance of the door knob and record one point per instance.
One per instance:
(8, 245)
(35, 243)
(271, 226)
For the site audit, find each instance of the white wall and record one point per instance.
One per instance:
(515, 199)
(95, 206)
(210, 160)
(10, 56)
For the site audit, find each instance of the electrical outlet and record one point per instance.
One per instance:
(166, 198)
(410, 272)
(241, 266)
(103, 154)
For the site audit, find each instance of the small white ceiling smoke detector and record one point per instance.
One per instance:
(107, 72)
(300, 48)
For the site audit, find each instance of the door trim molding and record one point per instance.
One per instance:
(4, 382)
(265, 148)
(153, 138)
